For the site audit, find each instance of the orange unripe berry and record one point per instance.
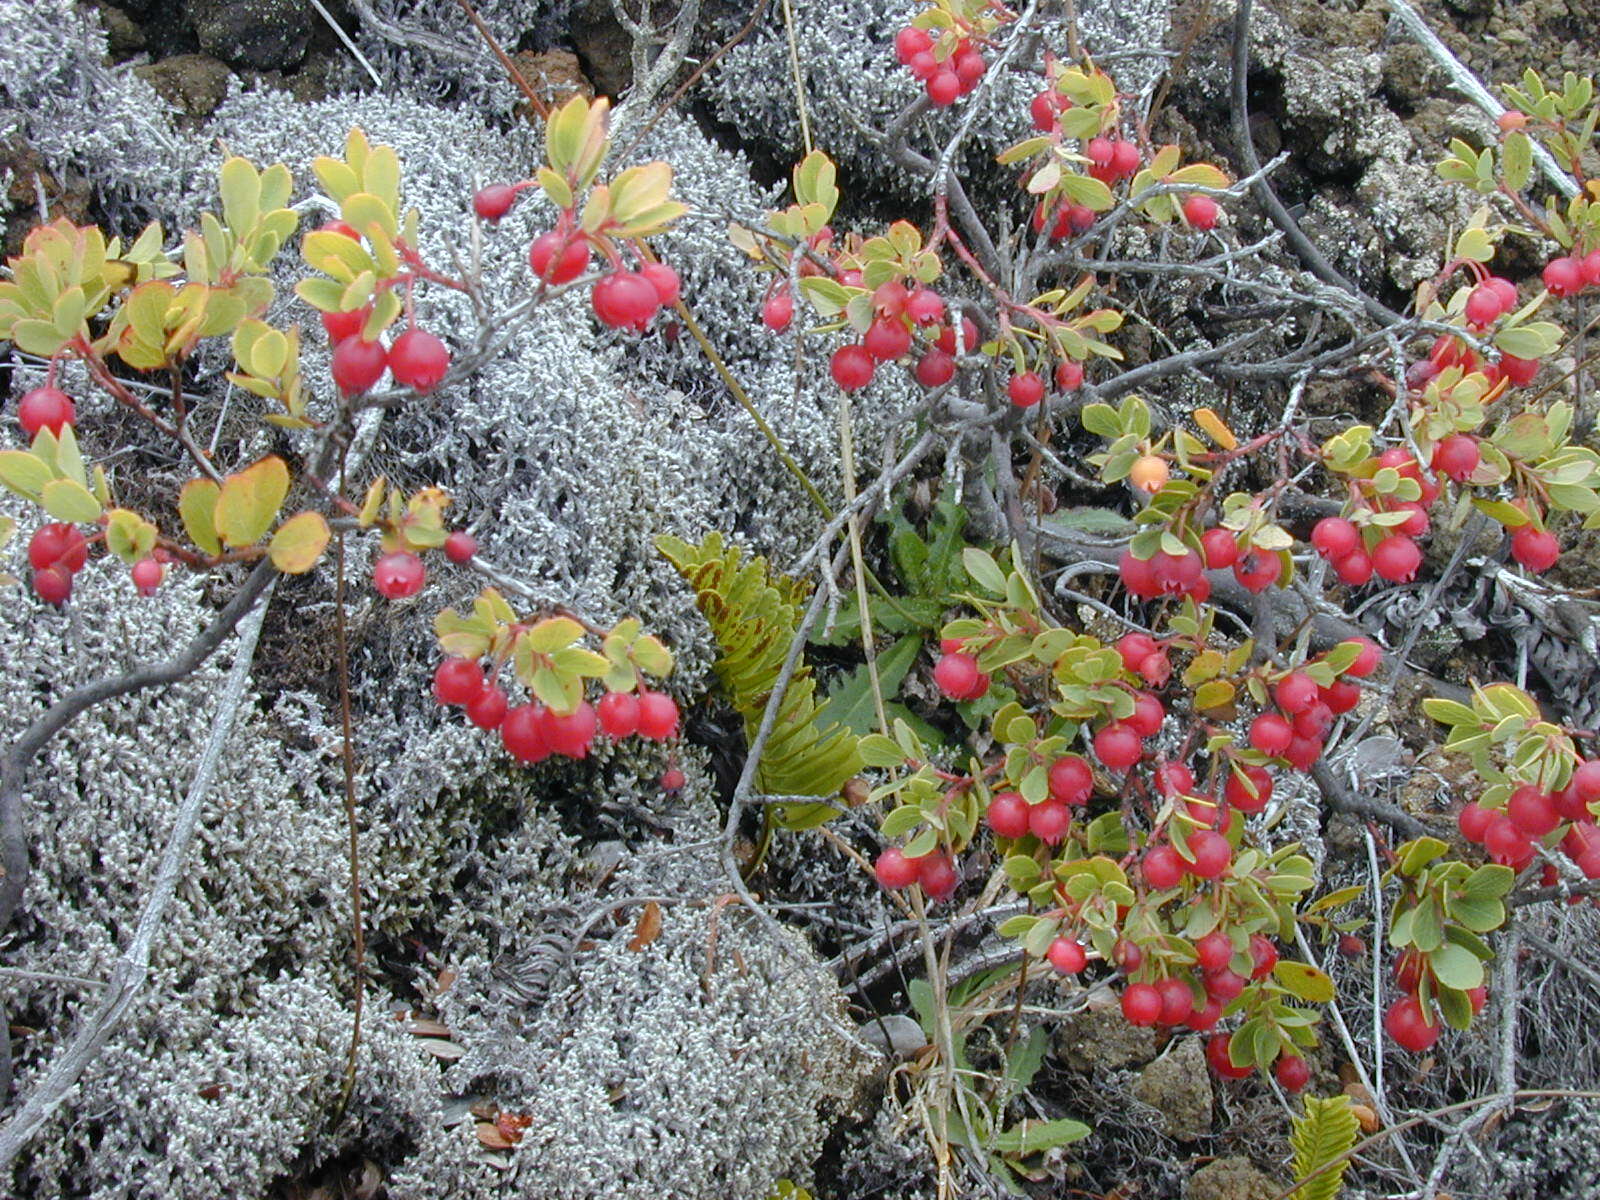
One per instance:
(1149, 474)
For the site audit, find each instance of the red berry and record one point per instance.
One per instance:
(1026, 389)
(1200, 211)
(1008, 814)
(1340, 696)
(1042, 108)
(1367, 661)
(1124, 158)
(1315, 721)
(1591, 271)
(357, 365)
(147, 575)
(1211, 852)
(1354, 569)
(619, 714)
(1177, 1001)
(1292, 1073)
(1563, 276)
(1474, 822)
(935, 368)
(1174, 779)
(894, 870)
(1141, 1004)
(1218, 1048)
(569, 734)
(1535, 549)
(1049, 821)
(1163, 867)
(923, 66)
(1302, 752)
(852, 367)
(460, 547)
(969, 338)
(1532, 811)
(398, 575)
(672, 780)
(1135, 648)
(624, 300)
(1483, 306)
(489, 708)
(58, 545)
(1148, 714)
(1258, 570)
(1335, 537)
(1127, 955)
(970, 67)
(1296, 692)
(957, 676)
(943, 88)
(1409, 1026)
(1224, 985)
(1067, 956)
(418, 360)
(1585, 781)
(658, 716)
(45, 408)
(910, 42)
(887, 339)
(1264, 954)
(1069, 375)
(521, 733)
(558, 257)
(1352, 947)
(1221, 548)
(1207, 1017)
(925, 307)
(937, 875)
(1071, 781)
(1238, 791)
(778, 311)
(457, 681)
(1519, 371)
(1504, 839)
(495, 201)
(1118, 746)
(1138, 576)
(1214, 951)
(1270, 734)
(53, 585)
(1396, 559)
(341, 325)
(665, 281)
(1100, 151)
(1456, 456)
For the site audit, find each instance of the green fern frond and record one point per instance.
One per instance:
(754, 613)
(1322, 1135)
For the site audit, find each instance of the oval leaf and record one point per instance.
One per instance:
(249, 501)
(298, 543)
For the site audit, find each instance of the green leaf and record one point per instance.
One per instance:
(1322, 1139)
(249, 501)
(553, 633)
(1035, 1137)
(299, 543)
(24, 473)
(1456, 967)
(851, 704)
(240, 188)
(197, 505)
(1303, 981)
(68, 500)
(880, 751)
(984, 570)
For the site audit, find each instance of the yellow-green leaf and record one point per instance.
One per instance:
(249, 501)
(299, 542)
(197, 505)
(69, 500)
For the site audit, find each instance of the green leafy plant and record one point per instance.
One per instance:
(1322, 1137)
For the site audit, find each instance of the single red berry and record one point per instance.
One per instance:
(1535, 549)
(957, 676)
(1335, 537)
(45, 408)
(1071, 781)
(1292, 1072)
(1367, 661)
(559, 257)
(1519, 371)
(1224, 985)
(1351, 946)
(1340, 696)
(1563, 276)
(147, 575)
(1474, 821)
(943, 88)
(1214, 951)
(1042, 109)
(53, 585)
(925, 307)
(1203, 1019)
(1258, 570)
(1477, 997)
(1396, 559)
(1008, 814)
(460, 547)
(1250, 791)
(935, 368)
(852, 367)
(457, 681)
(778, 311)
(495, 201)
(1067, 956)
(358, 364)
(1174, 779)
(665, 281)
(887, 339)
(570, 734)
(672, 780)
(1591, 271)
(1118, 746)
(1211, 852)
(1409, 1026)
(1483, 306)
(1263, 954)
(1295, 692)
(398, 575)
(1069, 375)
(1141, 1004)
(1138, 576)
(1163, 867)
(910, 42)
(937, 875)
(418, 360)
(1049, 821)
(1271, 734)
(923, 66)
(489, 708)
(1504, 839)
(619, 714)
(1456, 456)
(1354, 569)
(1148, 714)
(1127, 956)
(1532, 811)
(1221, 548)
(969, 338)
(1026, 389)
(1177, 1001)
(624, 300)
(1585, 781)
(1124, 158)
(1302, 752)
(970, 67)
(894, 870)
(1200, 211)
(521, 733)
(342, 325)
(658, 716)
(58, 545)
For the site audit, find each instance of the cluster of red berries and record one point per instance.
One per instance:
(935, 871)
(626, 299)
(533, 732)
(401, 573)
(1512, 836)
(1306, 710)
(1165, 574)
(417, 359)
(1569, 274)
(45, 408)
(947, 80)
(1411, 1021)
(1492, 298)
(57, 552)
